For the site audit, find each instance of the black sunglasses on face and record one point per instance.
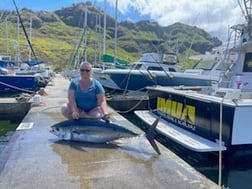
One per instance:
(84, 70)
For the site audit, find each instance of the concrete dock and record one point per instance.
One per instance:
(36, 159)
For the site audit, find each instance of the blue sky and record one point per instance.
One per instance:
(214, 16)
(37, 4)
(52, 5)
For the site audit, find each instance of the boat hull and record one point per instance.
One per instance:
(139, 79)
(128, 104)
(17, 84)
(201, 114)
(14, 111)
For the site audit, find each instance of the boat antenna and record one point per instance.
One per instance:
(247, 13)
(27, 38)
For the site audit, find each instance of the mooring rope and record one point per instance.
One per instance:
(133, 107)
(50, 107)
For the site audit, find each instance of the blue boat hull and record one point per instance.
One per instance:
(16, 83)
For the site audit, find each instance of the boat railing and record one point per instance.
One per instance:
(225, 77)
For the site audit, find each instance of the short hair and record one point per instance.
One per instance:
(86, 63)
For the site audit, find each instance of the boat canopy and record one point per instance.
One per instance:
(33, 62)
(5, 64)
(119, 62)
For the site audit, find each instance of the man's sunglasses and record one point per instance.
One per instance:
(84, 70)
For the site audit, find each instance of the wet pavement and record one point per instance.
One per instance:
(36, 159)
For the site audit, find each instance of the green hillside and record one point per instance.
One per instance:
(55, 36)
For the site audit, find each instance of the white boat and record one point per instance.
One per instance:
(209, 119)
(145, 72)
(161, 69)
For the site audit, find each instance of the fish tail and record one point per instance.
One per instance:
(150, 135)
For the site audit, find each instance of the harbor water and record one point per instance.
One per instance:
(7, 128)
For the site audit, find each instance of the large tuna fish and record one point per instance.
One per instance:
(97, 131)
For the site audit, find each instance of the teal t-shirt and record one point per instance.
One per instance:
(86, 99)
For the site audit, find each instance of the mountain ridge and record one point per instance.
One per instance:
(56, 33)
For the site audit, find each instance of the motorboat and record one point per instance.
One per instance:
(140, 74)
(210, 118)
(152, 69)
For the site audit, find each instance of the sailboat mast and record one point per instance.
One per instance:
(115, 47)
(18, 58)
(85, 37)
(7, 35)
(104, 27)
(30, 38)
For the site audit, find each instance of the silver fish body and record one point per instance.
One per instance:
(97, 131)
(88, 130)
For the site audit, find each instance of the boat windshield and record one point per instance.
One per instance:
(216, 62)
(247, 66)
(155, 68)
(170, 59)
(205, 64)
(224, 65)
(135, 66)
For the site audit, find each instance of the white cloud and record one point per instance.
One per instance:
(214, 16)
